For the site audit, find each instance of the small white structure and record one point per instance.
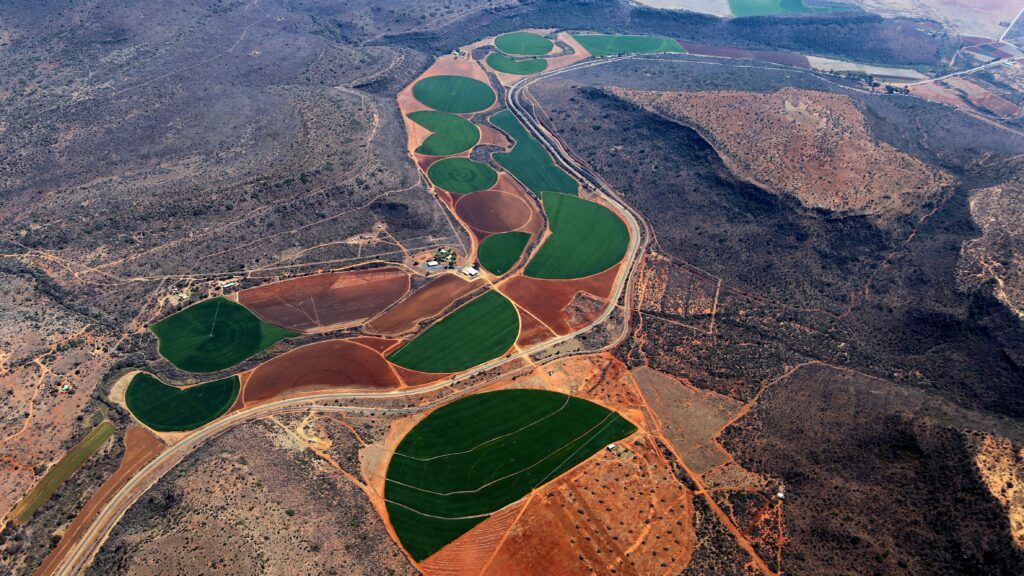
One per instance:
(470, 271)
(432, 264)
(228, 285)
(610, 447)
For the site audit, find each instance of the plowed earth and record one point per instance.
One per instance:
(548, 300)
(324, 301)
(494, 211)
(425, 303)
(328, 365)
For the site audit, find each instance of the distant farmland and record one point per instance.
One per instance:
(457, 94)
(503, 63)
(615, 44)
(478, 454)
(528, 161)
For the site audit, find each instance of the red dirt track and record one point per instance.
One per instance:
(325, 365)
(321, 302)
(548, 299)
(425, 303)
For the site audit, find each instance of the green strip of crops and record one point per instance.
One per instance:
(451, 134)
(586, 238)
(480, 331)
(461, 175)
(500, 252)
(742, 8)
(213, 335)
(171, 409)
(457, 94)
(528, 161)
(503, 63)
(481, 453)
(523, 44)
(61, 471)
(615, 44)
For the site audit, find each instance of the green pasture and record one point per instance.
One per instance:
(500, 252)
(586, 238)
(171, 409)
(461, 175)
(523, 44)
(503, 63)
(483, 452)
(528, 161)
(457, 94)
(452, 134)
(61, 471)
(479, 331)
(615, 44)
(213, 335)
(741, 8)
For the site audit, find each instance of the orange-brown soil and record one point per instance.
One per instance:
(1001, 468)
(382, 345)
(426, 302)
(983, 98)
(140, 446)
(416, 378)
(327, 365)
(531, 331)
(325, 301)
(549, 299)
(622, 512)
(812, 145)
(494, 211)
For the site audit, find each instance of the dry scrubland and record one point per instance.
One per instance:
(997, 257)
(812, 145)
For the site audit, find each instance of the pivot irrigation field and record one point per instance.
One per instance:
(523, 44)
(479, 331)
(528, 161)
(171, 409)
(586, 238)
(742, 8)
(475, 456)
(214, 335)
(457, 94)
(452, 134)
(503, 63)
(61, 471)
(615, 44)
(462, 175)
(500, 252)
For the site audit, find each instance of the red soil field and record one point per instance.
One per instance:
(325, 301)
(983, 98)
(548, 299)
(381, 345)
(414, 378)
(784, 58)
(531, 331)
(140, 446)
(494, 211)
(426, 302)
(468, 555)
(325, 365)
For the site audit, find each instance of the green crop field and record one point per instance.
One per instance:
(213, 335)
(461, 175)
(451, 134)
(523, 44)
(586, 238)
(768, 7)
(171, 409)
(481, 453)
(500, 252)
(457, 94)
(61, 471)
(528, 161)
(477, 332)
(615, 44)
(503, 63)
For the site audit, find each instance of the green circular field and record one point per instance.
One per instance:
(213, 335)
(171, 409)
(479, 331)
(480, 453)
(451, 134)
(456, 94)
(523, 44)
(586, 238)
(503, 63)
(500, 252)
(461, 175)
